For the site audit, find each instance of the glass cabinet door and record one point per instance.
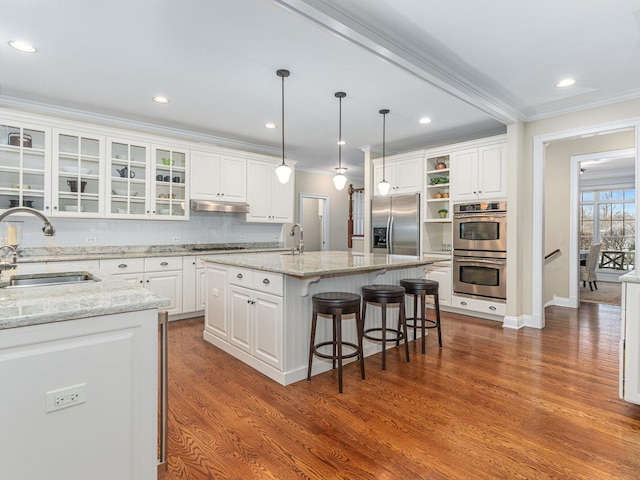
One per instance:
(169, 192)
(77, 163)
(128, 173)
(24, 176)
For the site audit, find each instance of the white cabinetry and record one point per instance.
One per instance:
(479, 173)
(270, 201)
(25, 172)
(161, 275)
(218, 177)
(78, 164)
(441, 273)
(630, 342)
(193, 285)
(404, 176)
(252, 324)
(113, 433)
(483, 308)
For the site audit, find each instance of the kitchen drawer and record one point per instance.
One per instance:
(159, 264)
(241, 276)
(116, 266)
(268, 282)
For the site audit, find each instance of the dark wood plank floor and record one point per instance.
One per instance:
(492, 403)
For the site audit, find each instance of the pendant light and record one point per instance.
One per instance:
(339, 180)
(383, 186)
(283, 171)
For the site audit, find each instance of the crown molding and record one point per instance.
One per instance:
(142, 127)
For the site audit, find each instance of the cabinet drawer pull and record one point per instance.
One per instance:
(239, 276)
(492, 307)
(164, 264)
(463, 303)
(266, 281)
(123, 265)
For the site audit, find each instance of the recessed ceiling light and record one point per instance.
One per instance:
(159, 99)
(22, 46)
(566, 82)
(270, 125)
(424, 120)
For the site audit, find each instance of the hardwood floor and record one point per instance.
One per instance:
(492, 403)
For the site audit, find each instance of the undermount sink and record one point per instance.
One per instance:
(45, 279)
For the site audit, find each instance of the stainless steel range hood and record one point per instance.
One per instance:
(223, 207)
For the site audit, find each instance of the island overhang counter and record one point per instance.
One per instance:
(258, 305)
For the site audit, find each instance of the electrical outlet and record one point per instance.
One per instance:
(91, 239)
(176, 239)
(66, 397)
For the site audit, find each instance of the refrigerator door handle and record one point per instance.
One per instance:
(390, 235)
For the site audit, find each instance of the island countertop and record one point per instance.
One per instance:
(311, 264)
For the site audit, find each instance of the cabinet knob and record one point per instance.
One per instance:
(164, 264)
(147, 281)
(266, 281)
(239, 276)
(123, 265)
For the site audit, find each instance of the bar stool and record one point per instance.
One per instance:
(420, 287)
(336, 304)
(384, 295)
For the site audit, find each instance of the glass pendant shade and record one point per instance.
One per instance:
(339, 180)
(283, 173)
(384, 187)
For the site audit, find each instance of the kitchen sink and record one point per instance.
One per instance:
(46, 279)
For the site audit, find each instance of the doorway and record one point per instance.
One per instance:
(314, 220)
(539, 145)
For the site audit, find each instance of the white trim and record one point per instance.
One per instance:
(539, 142)
(514, 322)
(325, 215)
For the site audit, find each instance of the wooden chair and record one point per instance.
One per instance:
(588, 271)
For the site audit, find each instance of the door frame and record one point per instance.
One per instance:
(325, 215)
(539, 144)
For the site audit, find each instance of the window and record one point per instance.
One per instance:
(608, 217)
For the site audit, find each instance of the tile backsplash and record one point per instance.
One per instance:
(201, 228)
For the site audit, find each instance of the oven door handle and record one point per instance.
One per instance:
(480, 215)
(497, 261)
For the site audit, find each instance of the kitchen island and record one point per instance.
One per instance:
(79, 375)
(258, 305)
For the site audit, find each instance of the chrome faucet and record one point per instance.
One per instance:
(300, 246)
(48, 230)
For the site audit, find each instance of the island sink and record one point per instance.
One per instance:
(46, 279)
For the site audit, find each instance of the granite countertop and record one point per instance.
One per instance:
(61, 254)
(319, 263)
(24, 306)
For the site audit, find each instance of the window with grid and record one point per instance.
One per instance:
(608, 217)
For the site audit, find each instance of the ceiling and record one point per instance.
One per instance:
(472, 67)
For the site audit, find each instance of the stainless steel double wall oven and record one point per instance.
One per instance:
(480, 250)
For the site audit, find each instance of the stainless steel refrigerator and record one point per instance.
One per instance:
(395, 221)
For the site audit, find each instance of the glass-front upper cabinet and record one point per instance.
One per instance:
(169, 191)
(77, 164)
(25, 177)
(128, 174)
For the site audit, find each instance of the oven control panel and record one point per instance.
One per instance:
(480, 207)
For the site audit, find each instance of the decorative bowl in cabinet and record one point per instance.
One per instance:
(73, 208)
(164, 211)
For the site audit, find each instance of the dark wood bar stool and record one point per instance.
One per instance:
(336, 304)
(384, 295)
(420, 287)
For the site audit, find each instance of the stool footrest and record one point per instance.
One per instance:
(414, 323)
(330, 356)
(397, 335)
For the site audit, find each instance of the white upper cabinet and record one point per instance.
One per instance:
(170, 183)
(269, 200)
(404, 176)
(78, 166)
(479, 173)
(218, 177)
(128, 178)
(25, 172)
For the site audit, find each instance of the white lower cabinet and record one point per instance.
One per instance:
(441, 273)
(477, 307)
(244, 315)
(161, 275)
